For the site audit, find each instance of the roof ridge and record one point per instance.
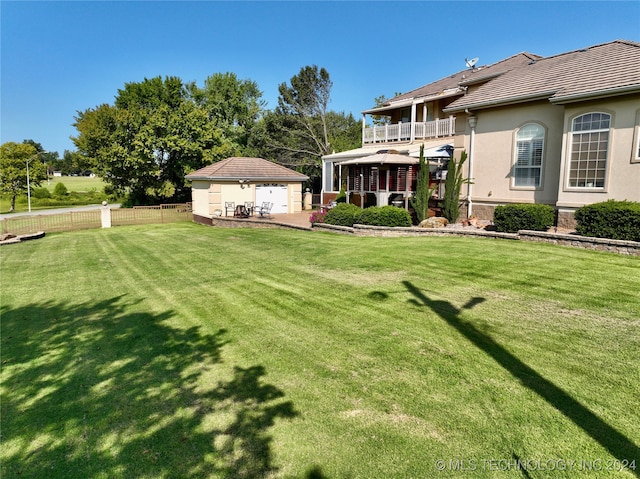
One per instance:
(606, 69)
(591, 47)
(239, 167)
(531, 56)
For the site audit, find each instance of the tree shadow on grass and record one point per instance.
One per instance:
(618, 445)
(95, 390)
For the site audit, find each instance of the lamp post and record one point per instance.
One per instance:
(28, 185)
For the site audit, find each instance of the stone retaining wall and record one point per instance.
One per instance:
(365, 230)
(586, 242)
(597, 244)
(244, 223)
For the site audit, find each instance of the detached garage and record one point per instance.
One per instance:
(244, 180)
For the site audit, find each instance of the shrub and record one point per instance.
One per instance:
(610, 219)
(40, 193)
(342, 196)
(317, 217)
(512, 218)
(60, 190)
(391, 216)
(343, 214)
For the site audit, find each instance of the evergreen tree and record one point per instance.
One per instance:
(452, 186)
(423, 193)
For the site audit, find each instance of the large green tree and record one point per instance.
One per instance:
(233, 105)
(149, 139)
(15, 159)
(301, 129)
(49, 158)
(72, 163)
(302, 111)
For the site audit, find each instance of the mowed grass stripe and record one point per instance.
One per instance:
(197, 341)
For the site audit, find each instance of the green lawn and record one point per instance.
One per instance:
(81, 184)
(197, 352)
(78, 184)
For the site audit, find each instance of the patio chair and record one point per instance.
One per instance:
(248, 206)
(265, 209)
(229, 205)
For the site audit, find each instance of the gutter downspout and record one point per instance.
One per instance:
(473, 121)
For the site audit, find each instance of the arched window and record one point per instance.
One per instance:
(529, 153)
(589, 150)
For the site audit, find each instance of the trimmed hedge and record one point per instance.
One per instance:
(391, 216)
(513, 218)
(343, 214)
(348, 214)
(610, 219)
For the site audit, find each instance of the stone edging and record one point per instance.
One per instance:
(366, 230)
(20, 238)
(598, 244)
(245, 223)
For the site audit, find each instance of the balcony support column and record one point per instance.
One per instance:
(413, 122)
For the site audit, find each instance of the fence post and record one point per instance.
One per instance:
(105, 215)
(161, 214)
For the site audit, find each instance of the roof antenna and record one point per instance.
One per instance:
(471, 63)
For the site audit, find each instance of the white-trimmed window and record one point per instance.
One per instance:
(589, 150)
(529, 152)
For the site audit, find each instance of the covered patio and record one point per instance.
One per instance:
(389, 178)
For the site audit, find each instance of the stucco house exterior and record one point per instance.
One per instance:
(561, 130)
(240, 180)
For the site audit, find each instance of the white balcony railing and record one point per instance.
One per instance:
(409, 131)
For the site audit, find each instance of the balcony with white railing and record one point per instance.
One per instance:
(401, 132)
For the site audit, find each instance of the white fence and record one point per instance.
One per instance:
(77, 220)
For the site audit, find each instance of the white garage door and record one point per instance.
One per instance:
(273, 193)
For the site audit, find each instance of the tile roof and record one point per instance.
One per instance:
(598, 71)
(452, 83)
(241, 168)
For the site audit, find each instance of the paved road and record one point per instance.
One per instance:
(55, 211)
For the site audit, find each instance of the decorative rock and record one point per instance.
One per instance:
(433, 222)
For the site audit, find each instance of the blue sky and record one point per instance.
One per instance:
(58, 58)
